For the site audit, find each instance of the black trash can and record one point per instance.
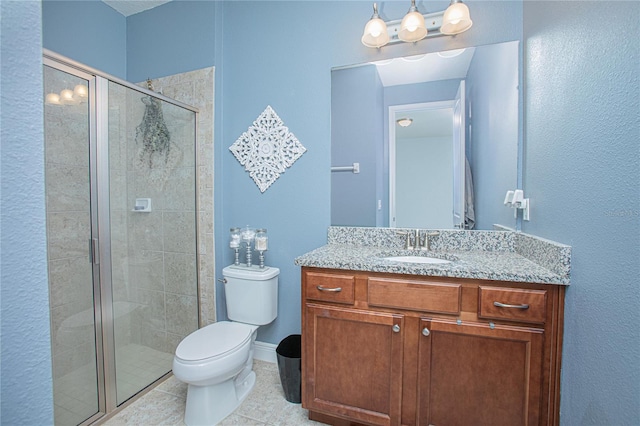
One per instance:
(289, 353)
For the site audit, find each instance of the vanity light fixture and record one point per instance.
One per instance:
(404, 122)
(375, 32)
(412, 27)
(416, 26)
(79, 94)
(456, 18)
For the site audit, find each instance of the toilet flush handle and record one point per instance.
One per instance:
(222, 280)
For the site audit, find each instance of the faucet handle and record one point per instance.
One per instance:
(421, 239)
(408, 237)
(425, 244)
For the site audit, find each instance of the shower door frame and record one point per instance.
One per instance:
(100, 248)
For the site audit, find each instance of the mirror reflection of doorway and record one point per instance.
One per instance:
(426, 174)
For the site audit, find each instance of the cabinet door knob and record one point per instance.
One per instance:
(334, 290)
(425, 331)
(396, 328)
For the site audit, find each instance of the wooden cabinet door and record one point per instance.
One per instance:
(353, 365)
(477, 374)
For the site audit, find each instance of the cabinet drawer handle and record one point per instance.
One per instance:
(425, 332)
(396, 328)
(504, 305)
(332, 290)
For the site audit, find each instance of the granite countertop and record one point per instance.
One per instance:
(504, 264)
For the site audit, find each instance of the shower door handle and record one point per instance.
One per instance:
(94, 253)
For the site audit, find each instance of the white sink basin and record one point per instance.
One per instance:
(417, 259)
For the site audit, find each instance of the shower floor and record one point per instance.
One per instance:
(137, 366)
(76, 394)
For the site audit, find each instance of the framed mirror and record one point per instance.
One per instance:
(435, 139)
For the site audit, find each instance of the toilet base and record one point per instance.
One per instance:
(208, 405)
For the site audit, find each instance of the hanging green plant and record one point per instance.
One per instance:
(152, 132)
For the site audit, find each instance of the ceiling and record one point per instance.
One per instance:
(453, 64)
(131, 7)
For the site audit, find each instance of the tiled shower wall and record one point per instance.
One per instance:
(153, 253)
(196, 88)
(160, 247)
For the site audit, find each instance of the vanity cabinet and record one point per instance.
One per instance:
(389, 349)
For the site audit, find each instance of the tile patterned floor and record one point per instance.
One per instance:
(137, 366)
(75, 394)
(265, 406)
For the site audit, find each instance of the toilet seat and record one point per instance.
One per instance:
(214, 341)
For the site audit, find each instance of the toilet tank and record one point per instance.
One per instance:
(251, 293)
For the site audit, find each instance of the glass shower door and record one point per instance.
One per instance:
(152, 193)
(121, 190)
(69, 232)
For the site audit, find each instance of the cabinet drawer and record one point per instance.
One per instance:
(512, 304)
(414, 295)
(329, 287)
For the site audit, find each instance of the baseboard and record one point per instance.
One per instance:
(264, 351)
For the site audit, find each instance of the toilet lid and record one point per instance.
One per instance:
(213, 340)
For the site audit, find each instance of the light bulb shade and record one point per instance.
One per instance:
(66, 97)
(52, 99)
(375, 33)
(80, 91)
(456, 19)
(412, 27)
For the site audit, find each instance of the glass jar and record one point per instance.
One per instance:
(261, 240)
(247, 235)
(234, 238)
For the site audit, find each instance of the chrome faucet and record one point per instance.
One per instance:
(417, 239)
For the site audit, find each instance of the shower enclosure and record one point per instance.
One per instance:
(121, 197)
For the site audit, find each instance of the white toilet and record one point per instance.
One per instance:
(216, 361)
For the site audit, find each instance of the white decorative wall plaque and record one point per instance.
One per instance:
(267, 149)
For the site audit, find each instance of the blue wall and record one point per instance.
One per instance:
(87, 31)
(356, 129)
(493, 95)
(260, 70)
(26, 392)
(582, 162)
(177, 37)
